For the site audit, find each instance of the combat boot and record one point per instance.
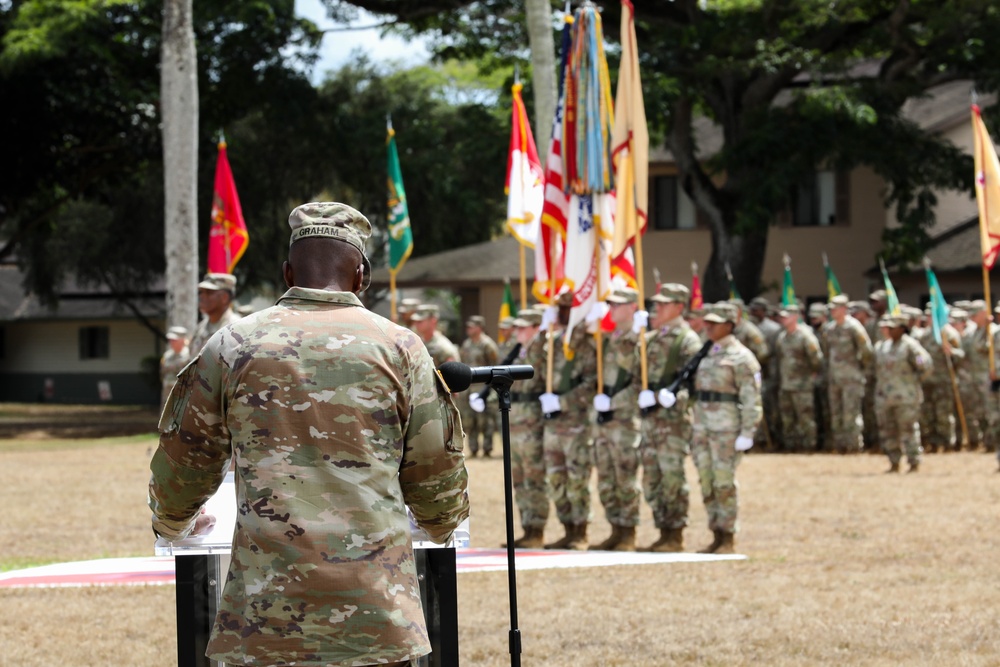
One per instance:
(726, 544)
(893, 467)
(611, 542)
(716, 543)
(627, 542)
(579, 541)
(671, 541)
(534, 538)
(563, 542)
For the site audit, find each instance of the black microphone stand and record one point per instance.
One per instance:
(501, 383)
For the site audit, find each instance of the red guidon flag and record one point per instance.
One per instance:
(227, 238)
(987, 189)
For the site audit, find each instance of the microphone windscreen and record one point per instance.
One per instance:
(457, 376)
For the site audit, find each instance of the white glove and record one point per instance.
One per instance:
(596, 312)
(647, 398)
(477, 403)
(666, 398)
(550, 316)
(743, 443)
(640, 321)
(602, 403)
(550, 403)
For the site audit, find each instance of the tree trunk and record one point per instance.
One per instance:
(179, 108)
(543, 70)
(745, 256)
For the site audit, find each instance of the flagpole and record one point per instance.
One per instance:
(989, 322)
(524, 277)
(550, 362)
(392, 297)
(226, 240)
(946, 350)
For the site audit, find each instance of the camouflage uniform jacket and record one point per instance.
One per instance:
(747, 333)
(661, 371)
(799, 359)
(977, 350)
(848, 351)
(206, 329)
(441, 349)
(939, 373)
(900, 367)
(731, 369)
(171, 363)
(574, 380)
(483, 353)
(621, 366)
(337, 422)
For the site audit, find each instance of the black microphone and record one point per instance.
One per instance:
(459, 376)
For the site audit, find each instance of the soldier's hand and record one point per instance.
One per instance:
(666, 398)
(550, 403)
(602, 402)
(647, 398)
(204, 524)
(743, 443)
(640, 321)
(596, 312)
(550, 316)
(477, 403)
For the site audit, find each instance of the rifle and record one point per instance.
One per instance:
(686, 373)
(511, 356)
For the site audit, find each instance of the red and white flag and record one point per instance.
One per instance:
(525, 186)
(227, 237)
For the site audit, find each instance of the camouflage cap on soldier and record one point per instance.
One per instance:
(623, 295)
(859, 307)
(790, 309)
(839, 300)
(506, 323)
(218, 281)
(335, 221)
(671, 293)
(425, 311)
(476, 321)
(529, 317)
(723, 311)
(910, 312)
(958, 314)
(760, 301)
(818, 309)
(878, 295)
(975, 306)
(408, 305)
(892, 321)
(175, 333)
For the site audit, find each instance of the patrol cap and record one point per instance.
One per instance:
(529, 317)
(839, 300)
(760, 301)
(958, 314)
(816, 309)
(506, 323)
(891, 321)
(976, 306)
(878, 295)
(723, 311)
(671, 293)
(335, 221)
(174, 333)
(859, 307)
(408, 304)
(623, 295)
(790, 309)
(476, 321)
(218, 281)
(736, 301)
(424, 311)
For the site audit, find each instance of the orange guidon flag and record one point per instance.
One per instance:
(987, 189)
(227, 238)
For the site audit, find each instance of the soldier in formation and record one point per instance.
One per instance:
(215, 302)
(800, 361)
(176, 357)
(848, 352)
(478, 349)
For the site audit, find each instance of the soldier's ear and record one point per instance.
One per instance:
(359, 279)
(289, 274)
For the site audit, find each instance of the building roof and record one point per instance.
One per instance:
(957, 249)
(471, 265)
(76, 302)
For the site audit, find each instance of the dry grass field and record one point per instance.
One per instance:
(846, 566)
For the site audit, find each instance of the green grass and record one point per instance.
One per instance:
(15, 445)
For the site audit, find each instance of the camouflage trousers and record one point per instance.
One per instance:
(937, 418)
(665, 446)
(716, 458)
(769, 433)
(568, 463)
(869, 431)
(798, 413)
(616, 457)
(899, 431)
(973, 397)
(527, 463)
(846, 421)
(479, 426)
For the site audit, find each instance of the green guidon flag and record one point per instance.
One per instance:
(400, 234)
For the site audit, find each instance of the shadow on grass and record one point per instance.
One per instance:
(34, 421)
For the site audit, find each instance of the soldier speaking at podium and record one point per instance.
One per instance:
(336, 421)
